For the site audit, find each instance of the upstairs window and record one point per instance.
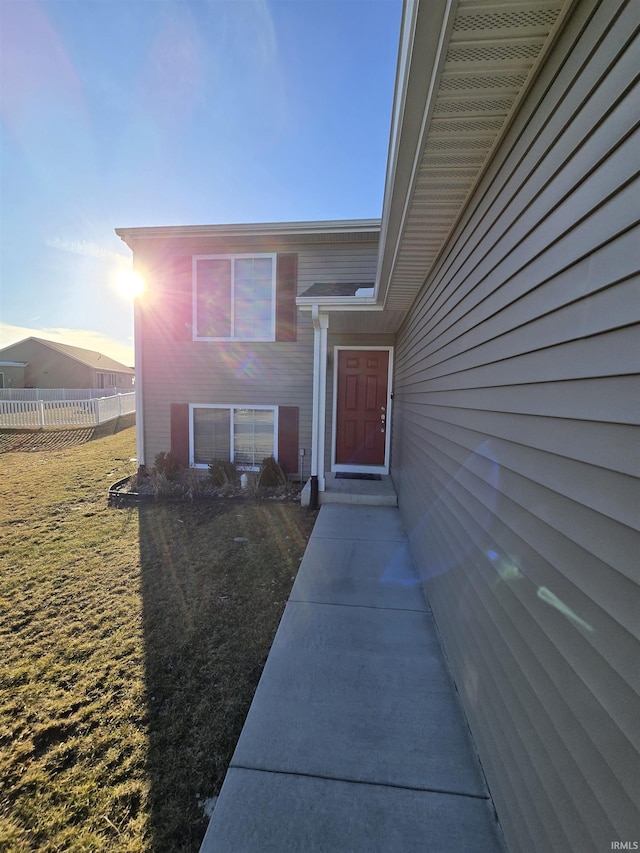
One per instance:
(234, 297)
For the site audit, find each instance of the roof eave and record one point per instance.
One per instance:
(421, 56)
(464, 73)
(317, 229)
(121, 368)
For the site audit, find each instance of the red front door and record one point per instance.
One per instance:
(361, 421)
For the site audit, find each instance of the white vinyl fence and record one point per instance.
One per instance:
(56, 393)
(55, 413)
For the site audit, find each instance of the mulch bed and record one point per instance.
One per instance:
(126, 492)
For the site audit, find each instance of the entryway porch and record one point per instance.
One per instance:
(365, 492)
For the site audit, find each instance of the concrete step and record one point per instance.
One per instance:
(354, 492)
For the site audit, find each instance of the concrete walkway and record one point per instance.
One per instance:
(355, 740)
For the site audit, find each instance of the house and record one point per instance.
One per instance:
(482, 341)
(37, 363)
(226, 358)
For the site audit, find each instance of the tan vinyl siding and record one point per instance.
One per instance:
(228, 373)
(13, 376)
(241, 373)
(516, 404)
(352, 264)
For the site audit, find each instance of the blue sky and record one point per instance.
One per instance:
(175, 112)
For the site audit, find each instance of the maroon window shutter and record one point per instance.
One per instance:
(180, 432)
(288, 438)
(180, 298)
(286, 292)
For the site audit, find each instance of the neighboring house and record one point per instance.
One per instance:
(491, 318)
(46, 364)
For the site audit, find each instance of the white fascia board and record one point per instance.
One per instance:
(407, 37)
(356, 303)
(254, 229)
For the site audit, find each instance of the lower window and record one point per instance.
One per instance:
(236, 434)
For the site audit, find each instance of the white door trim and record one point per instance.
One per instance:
(361, 469)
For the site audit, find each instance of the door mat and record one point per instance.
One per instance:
(354, 475)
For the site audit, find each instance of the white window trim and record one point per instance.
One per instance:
(230, 407)
(362, 469)
(232, 257)
(109, 380)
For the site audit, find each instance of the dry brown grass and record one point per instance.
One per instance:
(132, 641)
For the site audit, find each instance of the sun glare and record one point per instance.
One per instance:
(130, 283)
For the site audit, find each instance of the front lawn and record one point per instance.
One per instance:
(132, 641)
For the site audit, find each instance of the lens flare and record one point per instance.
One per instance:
(129, 283)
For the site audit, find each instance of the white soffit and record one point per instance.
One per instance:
(492, 52)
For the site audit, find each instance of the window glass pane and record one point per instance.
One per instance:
(243, 321)
(262, 319)
(243, 291)
(244, 269)
(252, 436)
(253, 319)
(253, 298)
(213, 298)
(211, 435)
(262, 268)
(262, 288)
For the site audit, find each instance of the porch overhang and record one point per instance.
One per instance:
(353, 303)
